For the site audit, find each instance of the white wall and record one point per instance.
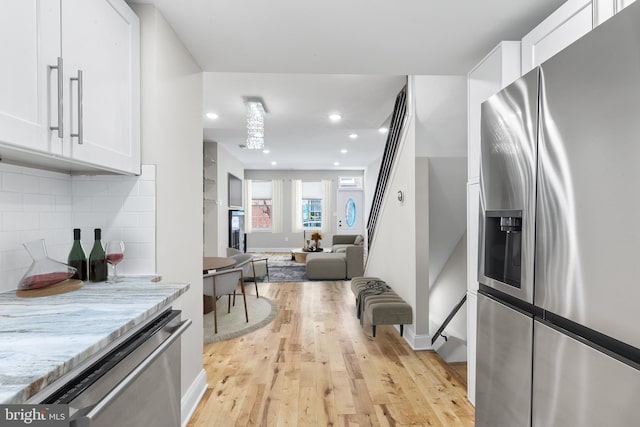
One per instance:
(441, 116)
(442, 299)
(447, 211)
(441, 148)
(261, 241)
(171, 97)
(227, 164)
(37, 204)
(392, 255)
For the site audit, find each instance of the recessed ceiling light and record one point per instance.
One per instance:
(336, 163)
(212, 116)
(344, 151)
(266, 151)
(335, 117)
(383, 129)
(353, 136)
(274, 163)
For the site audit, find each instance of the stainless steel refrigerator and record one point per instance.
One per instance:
(559, 266)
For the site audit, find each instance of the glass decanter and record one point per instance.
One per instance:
(43, 271)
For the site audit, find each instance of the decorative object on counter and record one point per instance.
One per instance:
(316, 237)
(115, 254)
(59, 288)
(43, 271)
(77, 258)
(97, 260)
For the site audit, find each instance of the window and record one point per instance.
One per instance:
(312, 205)
(311, 213)
(261, 205)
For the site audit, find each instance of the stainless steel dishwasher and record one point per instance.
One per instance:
(137, 383)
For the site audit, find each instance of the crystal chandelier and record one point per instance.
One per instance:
(255, 124)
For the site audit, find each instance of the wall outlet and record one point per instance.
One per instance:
(286, 239)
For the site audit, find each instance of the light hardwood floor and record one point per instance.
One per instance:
(314, 365)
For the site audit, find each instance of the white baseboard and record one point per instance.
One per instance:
(417, 342)
(192, 397)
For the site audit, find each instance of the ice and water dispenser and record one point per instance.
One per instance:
(503, 246)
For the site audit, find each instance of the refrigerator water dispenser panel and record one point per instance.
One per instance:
(503, 246)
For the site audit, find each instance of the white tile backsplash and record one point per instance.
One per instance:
(140, 204)
(10, 201)
(19, 183)
(20, 221)
(38, 204)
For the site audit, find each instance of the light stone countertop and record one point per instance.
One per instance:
(43, 338)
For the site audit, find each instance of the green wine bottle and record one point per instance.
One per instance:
(97, 260)
(77, 258)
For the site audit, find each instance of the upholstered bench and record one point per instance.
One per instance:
(385, 308)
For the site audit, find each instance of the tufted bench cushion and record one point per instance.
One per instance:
(386, 308)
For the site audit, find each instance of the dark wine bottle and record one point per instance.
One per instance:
(77, 258)
(97, 260)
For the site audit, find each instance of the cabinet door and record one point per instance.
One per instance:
(29, 43)
(473, 216)
(100, 44)
(571, 21)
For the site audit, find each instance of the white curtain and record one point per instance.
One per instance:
(296, 205)
(327, 209)
(248, 210)
(277, 203)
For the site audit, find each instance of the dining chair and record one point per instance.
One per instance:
(220, 283)
(252, 267)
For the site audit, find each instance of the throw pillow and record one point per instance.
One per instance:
(359, 240)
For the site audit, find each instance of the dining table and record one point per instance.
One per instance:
(215, 263)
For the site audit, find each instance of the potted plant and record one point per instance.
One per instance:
(316, 237)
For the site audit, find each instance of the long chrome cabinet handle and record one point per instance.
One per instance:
(60, 96)
(80, 118)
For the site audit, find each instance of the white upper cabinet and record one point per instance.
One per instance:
(605, 9)
(567, 24)
(100, 47)
(83, 55)
(29, 45)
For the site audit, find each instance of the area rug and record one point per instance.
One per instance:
(231, 325)
(283, 269)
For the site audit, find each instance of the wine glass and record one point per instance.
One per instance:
(114, 254)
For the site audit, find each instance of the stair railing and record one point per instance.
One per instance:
(388, 159)
(438, 334)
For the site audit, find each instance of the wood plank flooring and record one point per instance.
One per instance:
(314, 365)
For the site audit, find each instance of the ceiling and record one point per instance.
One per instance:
(309, 59)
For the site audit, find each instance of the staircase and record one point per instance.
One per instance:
(388, 159)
